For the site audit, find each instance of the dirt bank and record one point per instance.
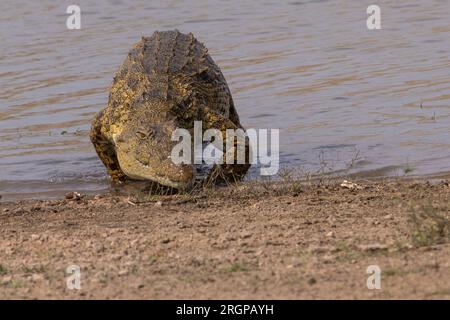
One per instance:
(253, 241)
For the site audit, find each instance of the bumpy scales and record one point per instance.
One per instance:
(167, 81)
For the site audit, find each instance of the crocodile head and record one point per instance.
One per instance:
(144, 147)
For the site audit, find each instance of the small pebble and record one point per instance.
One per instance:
(123, 273)
(73, 196)
(37, 277)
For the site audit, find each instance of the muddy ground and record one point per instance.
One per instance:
(253, 241)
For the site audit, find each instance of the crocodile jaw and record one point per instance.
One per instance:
(139, 171)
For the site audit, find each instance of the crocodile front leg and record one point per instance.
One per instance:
(229, 172)
(105, 149)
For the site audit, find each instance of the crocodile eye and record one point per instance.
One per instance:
(144, 134)
(141, 134)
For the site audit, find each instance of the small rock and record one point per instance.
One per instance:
(312, 281)
(330, 234)
(73, 196)
(37, 277)
(116, 256)
(123, 273)
(69, 195)
(34, 237)
(350, 185)
(158, 204)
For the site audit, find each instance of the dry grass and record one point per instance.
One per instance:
(430, 225)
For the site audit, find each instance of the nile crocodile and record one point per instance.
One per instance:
(167, 81)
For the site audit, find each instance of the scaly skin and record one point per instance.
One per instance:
(168, 81)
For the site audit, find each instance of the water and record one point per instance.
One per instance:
(309, 68)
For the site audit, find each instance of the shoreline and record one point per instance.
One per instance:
(260, 240)
(57, 191)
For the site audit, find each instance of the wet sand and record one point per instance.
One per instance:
(254, 241)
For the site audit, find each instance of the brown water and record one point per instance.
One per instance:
(310, 68)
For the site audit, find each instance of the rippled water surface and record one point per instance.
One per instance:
(310, 68)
